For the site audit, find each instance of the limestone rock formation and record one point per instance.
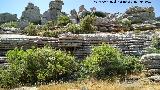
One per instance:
(31, 13)
(74, 16)
(7, 17)
(82, 11)
(93, 9)
(23, 23)
(143, 26)
(151, 62)
(53, 12)
(139, 14)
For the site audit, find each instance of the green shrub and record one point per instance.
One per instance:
(37, 65)
(100, 14)
(74, 28)
(86, 24)
(54, 33)
(10, 25)
(63, 20)
(155, 45)
(106, 61)
(31, 30)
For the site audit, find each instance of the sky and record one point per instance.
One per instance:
(17, 6)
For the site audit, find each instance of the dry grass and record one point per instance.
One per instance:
(102, 85)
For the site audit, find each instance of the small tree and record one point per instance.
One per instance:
(86, 24)
(63, 20)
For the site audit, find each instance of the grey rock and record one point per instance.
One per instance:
(154, 78)
(140, 14)
(143, 26)
(74, 16)
(31, 13)
(53, 12)
(23, 23)
(82, 11)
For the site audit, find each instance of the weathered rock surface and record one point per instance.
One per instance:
(108, 24)
(82, 11)
(143, 26)
(53, 12)
(74, 16)
(7, 17)
(139, 14)
(23, 23)
(31, 13)
(155, 78)
(151, 62)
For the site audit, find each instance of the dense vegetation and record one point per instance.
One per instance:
(9, 25)
(106, 61)
(43, 65)
(47, 30)
(155, 45)
(37, 65)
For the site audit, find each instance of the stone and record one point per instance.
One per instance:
(7, 17)
(53, 12)
(155, 78)
(32, 14)
(82, 11)
(23, 23)
(143, 26)
(93, 9)
(139, 14)
(151, 62)
(74, 16)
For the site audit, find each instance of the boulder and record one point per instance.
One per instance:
(151, 62)
(31, 14)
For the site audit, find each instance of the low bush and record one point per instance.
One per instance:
(85, 26)
(10, 25)
(37, 65)
(106, 61)
(31, 30)
(63, 20)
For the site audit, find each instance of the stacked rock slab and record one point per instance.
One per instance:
(80, 44)
(31, 14)
(7, 17)
(53, 12)
(139, 14)
(151, 62)
(108, 24)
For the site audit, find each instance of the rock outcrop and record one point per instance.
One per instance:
(151, 62)
(139, 14)
(7, 17)
(31, 14)
(82, 11)
(74, 16)
(53, 12)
